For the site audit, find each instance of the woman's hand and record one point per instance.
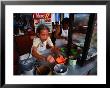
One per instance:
(50, 59)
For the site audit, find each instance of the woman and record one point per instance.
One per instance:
(62, 33)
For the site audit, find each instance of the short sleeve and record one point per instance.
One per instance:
(36, 42)
(49, 42)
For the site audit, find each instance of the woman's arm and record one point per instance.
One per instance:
(58, 32)
(36, 55)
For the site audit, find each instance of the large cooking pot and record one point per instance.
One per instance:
(60, 69)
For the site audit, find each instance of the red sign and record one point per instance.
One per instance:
(45, 16)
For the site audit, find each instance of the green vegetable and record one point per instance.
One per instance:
(74, 51)
(63, 49)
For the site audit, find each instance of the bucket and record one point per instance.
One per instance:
(27, 66)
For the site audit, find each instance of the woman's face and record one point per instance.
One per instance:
(65, 26)
(43, 35)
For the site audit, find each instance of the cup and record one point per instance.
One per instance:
(72, 62)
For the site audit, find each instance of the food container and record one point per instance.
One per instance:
(60, 69)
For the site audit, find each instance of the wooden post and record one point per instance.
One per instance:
(71, 23)
(88, 38)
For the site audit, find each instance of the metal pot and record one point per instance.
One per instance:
(60, 69)
(27, 66)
